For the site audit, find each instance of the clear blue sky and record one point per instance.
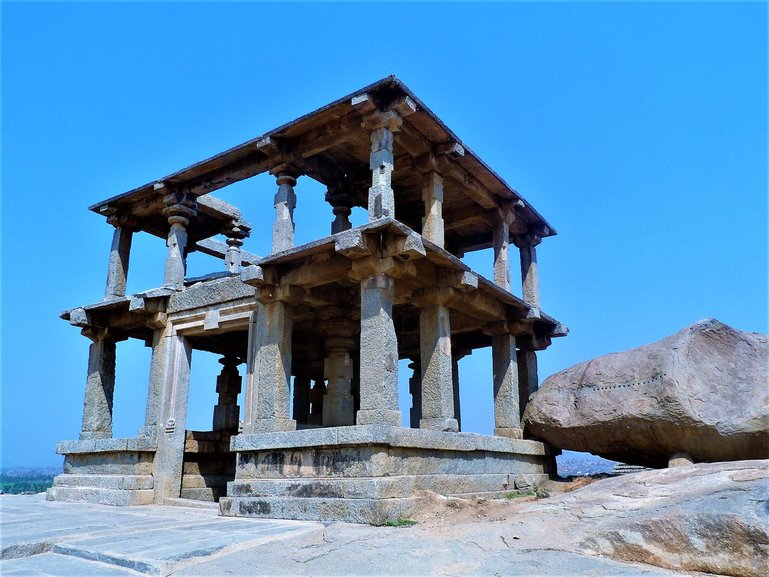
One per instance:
(638, 130)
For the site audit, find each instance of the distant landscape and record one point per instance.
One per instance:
(26, 480)
(21, 481)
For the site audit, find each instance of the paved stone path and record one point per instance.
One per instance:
(70, 539)
(41, 538)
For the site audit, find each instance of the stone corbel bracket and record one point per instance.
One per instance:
(269, 288)
(153, 309)
(377, 252)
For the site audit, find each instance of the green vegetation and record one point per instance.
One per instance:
(400, 523)
(519, 494)
(25, 481)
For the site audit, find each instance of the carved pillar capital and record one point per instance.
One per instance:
(180, 207)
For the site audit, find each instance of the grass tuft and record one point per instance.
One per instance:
(400, 523)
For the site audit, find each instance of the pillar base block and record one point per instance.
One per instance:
(88, 435)
(379, 417)
(148, 431)
(509, 432)
(270, 426)
(338, 411)
(447, 425)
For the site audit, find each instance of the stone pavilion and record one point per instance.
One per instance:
(320, 327)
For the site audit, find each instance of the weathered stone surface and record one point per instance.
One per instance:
(710, 517)
(702, 517)
(210, 292)
(701, 391)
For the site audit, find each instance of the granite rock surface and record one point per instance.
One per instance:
(702, 391)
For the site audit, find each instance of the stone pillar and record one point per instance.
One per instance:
(381, 198)
(228, 383)
(507, 416)
(455, 357)
(437, 380)
(378, 354)
(432, 195)
(341, 200)
(317, 396)
(301, 411)
(235, 235)
(415, 388)
(154, 388)
(527, 244)
(270, 377)
(120, 253)
(172, 361)
(527, 376)
(249, 396)
(501, 239)
(285, 202)
(179, 209)
(338, 404)
(99, 387)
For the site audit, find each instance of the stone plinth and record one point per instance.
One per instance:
(106, 471)
(371, 473)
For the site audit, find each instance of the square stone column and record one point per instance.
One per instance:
(119, 256)
(415, 388)
(501, 239)
(378, 354)
(228, 383)
(100, 386)
(382, 125)
(301, 411)
(432, 196)
(158, 364)
(285, 203)
(527, 243)
(180, 207)
(527, 376)
(171, 366)
(269, 377)
(238, 230)
(455, 357)
(437, 369)
(338, 404)
(317, 398)
(507, 416)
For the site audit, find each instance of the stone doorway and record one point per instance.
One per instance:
(208, 463)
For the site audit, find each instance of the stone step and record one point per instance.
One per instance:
(117, 497)
(384, 487)
(370, 511)
(124, 482)
(191, 503)
(195, 481)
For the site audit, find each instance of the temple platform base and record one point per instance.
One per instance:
(373, 474)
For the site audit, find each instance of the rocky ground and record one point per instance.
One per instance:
(708, 518)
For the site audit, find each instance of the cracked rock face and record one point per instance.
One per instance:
(702, 391)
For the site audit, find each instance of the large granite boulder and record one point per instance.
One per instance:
(702, 391)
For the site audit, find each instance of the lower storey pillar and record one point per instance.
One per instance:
(507, 416)
(378, 354)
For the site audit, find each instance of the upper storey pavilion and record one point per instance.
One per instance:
(321, 326)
